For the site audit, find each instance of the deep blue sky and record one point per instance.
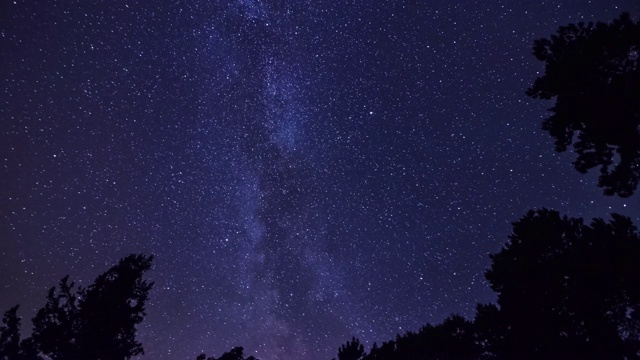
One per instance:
(303, 171)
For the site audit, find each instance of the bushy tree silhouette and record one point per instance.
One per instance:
(97, 322)
(568, 290)
(593, 72)
(490, 330)
(110, 309)
(352, 350)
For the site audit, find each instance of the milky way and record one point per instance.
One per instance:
(303, 171)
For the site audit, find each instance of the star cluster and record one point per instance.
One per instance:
(303, 171)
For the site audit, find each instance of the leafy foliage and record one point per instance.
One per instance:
(352, 350)
(593, 72)
(111, 308)
(98, 322)
(55, 326)
(570, 288)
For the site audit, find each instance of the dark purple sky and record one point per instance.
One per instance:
(303, 171)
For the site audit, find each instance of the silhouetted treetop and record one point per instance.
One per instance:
(111, 308)
(352, 350)
(93, 323)
(593, 72)
(56, 325)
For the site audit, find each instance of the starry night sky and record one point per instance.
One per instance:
(303, 171)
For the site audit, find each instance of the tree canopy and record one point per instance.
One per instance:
(566, 290)
(352, 350)
(97, 322)
(565, 287)
(593, 72)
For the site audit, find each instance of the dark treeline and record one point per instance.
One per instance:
(237, 353)
(566, 289)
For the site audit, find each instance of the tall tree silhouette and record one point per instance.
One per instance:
(593, 72)
(98, 322)
(111, 308)
(568, 290)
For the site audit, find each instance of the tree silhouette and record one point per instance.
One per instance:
(55, 326)
(111, 308)
(490, 330)
(566, 289)
(352, 350)
(593, 71)
(386, 351)
(237, 353)
(11, 348)
(10, 334)
(98, 322)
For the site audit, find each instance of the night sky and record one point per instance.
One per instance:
(303, 171)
